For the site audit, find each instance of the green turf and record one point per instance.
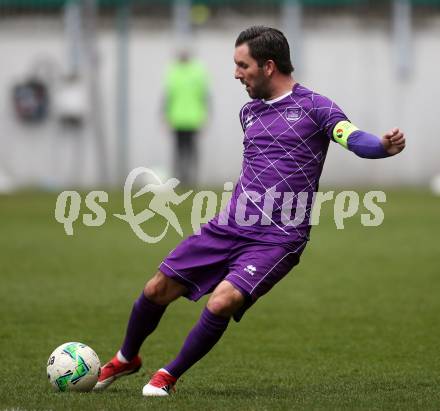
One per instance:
(355, 326)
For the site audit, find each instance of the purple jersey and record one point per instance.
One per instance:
(285, 146)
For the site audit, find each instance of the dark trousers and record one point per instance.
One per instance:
(185, 156)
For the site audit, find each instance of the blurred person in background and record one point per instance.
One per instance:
(287, 131)
(185, 108)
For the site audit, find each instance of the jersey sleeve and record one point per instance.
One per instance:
(327, 114)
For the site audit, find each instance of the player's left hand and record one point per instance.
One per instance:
(394, 141)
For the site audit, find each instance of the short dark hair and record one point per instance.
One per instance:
(266, 43)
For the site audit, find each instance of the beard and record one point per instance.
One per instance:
(260, 90)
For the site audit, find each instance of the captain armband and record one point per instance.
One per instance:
(342, 131)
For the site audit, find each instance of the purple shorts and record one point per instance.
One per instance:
(201, 262)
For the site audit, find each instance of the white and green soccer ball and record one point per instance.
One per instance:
(73, 367)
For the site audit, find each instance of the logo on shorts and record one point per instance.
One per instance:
(293, 114)
(250, 269)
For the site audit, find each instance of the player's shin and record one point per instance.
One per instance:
(144, 318)
(201, 339)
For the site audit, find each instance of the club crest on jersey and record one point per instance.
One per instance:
(292, 113)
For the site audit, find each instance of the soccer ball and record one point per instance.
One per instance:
(73, 367)
(435, 185)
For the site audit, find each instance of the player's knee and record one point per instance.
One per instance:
(162, 290)
(152, 291)
(156, 289)
(219, 307)
(225, 304)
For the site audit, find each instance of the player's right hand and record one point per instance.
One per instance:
(394, 141)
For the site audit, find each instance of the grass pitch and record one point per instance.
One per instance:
(355, 326)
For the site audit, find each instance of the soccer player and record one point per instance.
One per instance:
(251, 245)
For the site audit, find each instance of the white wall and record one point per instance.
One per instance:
(350, 62)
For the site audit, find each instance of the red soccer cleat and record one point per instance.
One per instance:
(115, 369)
(160, 384)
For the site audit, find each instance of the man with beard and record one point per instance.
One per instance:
(251, 245)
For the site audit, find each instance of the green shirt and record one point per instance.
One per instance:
(186, 95)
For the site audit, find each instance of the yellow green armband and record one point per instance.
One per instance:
(342, 131)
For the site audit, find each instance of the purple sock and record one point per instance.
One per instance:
(144, 318)
(199, 342)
